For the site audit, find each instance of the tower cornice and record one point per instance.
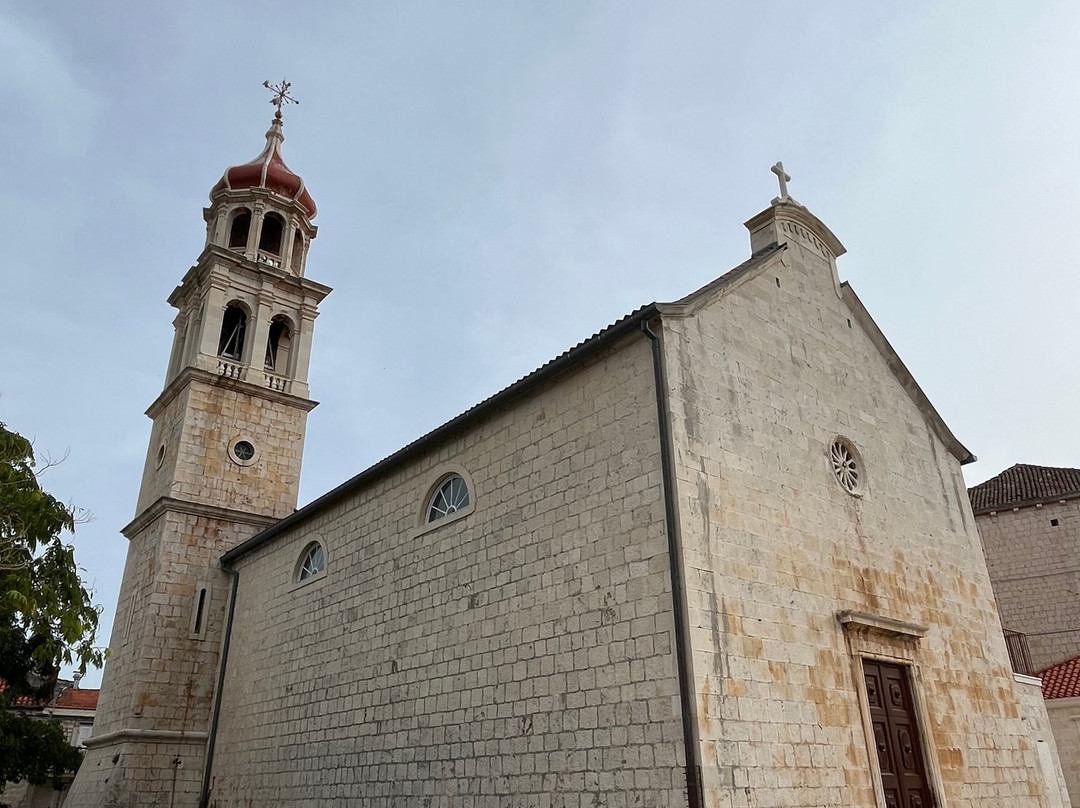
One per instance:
(163, 505)
(189, 374)
(215, 256)
(260, 196)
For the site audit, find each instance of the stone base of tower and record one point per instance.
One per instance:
(140, 768)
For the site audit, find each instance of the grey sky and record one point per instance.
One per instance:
(497, 181)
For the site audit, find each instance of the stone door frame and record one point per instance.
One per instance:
(895, 642)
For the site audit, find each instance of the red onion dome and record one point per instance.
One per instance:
(268, 171)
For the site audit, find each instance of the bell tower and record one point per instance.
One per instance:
(223, 463)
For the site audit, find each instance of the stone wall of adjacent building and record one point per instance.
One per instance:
(1064, 715)
(1035, 569)
(518, 654)
(763, 377)
(1039, 721)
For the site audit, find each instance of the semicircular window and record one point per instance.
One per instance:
(450, 497)
(313, 563)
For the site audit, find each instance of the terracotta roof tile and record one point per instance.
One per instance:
(70, 697)
(20, 701)
(1061, 680)
(1024, 485)
(78, 699)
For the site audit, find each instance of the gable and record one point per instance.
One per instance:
(775, 254)
(904, 377)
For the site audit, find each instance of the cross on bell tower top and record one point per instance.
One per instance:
(281, 95)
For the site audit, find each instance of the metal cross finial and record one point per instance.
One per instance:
(784, 178)
(281, 95)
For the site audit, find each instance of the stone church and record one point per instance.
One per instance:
(719, 554)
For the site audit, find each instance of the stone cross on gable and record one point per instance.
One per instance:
(784, 178)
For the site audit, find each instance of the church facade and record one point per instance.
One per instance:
(719, 554)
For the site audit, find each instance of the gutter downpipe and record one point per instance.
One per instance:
(694, 787)
(204, 797)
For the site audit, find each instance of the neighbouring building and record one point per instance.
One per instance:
(718, 554)
(1029, 520)
(73, 707)
(1061, 689)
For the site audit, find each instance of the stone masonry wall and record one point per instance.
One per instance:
(1035, 568)
(1065, 721)
(197, 428)
(161, 675)
(762, 380)
(518, 655)
(1035, 711)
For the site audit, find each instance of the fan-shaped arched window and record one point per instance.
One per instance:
(233, 325)
(450, 497)
(277, 346)
(273, 228)
(312, 563)
(238, 230)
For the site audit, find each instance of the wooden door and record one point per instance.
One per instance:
(896, 736)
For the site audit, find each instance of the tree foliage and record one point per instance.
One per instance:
(42, 598)
(47, 618)
(34, 749)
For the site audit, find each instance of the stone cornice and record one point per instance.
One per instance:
(878, 624)
(136, 735)
(813, 229)
(259, 197)
(1023, 679)
(214, 255)
(189, 374)
(164, 505)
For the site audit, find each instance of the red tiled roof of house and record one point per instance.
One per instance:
(19, 701)
(72, 698)
(1061, 680)
(78, 699)
(1024, 485)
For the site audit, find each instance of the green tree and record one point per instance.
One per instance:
(34, 750)
(47, 618)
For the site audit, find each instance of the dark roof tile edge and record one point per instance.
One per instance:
(1023, 485)
(620, 328)
(567, 359)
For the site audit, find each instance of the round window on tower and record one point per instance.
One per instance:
(243, 452)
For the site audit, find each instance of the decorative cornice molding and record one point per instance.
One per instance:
(1023, 679)
(189, 374)
(155, 735)
(226, 261)
(889, 626)
(164, 505)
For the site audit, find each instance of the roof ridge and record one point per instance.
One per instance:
(1025, 484)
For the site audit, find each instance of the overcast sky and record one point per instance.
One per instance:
(497, 181)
